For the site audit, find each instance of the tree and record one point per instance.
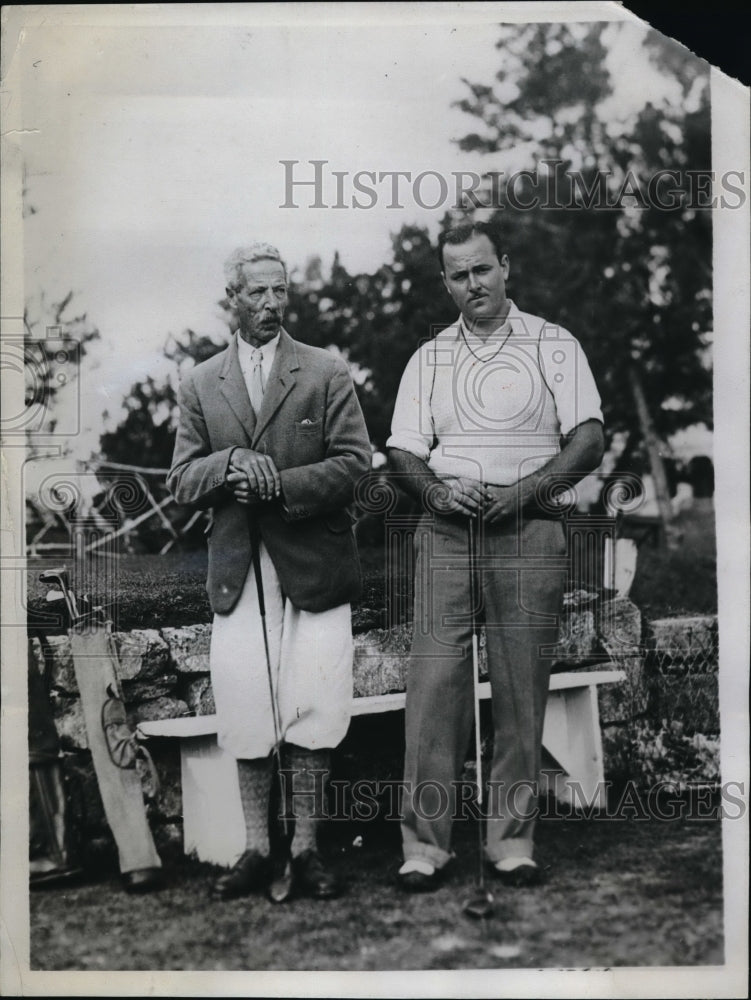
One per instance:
(54, 344)
(630, 278)
(374, 321)
(145, 439)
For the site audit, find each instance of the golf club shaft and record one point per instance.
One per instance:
(473, 593)
(473, 596)
(255, 555)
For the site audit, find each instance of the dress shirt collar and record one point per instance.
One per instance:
(245, 353)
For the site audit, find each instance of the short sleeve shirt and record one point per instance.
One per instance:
(493, 409)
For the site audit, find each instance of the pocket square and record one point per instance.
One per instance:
(306, 422)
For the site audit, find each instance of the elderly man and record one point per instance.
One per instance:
(479, 420)
(272, 439)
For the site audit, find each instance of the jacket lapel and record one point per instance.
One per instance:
(281, 381)
(233, 388)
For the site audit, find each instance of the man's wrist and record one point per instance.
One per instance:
(528, 489)
(229, 464)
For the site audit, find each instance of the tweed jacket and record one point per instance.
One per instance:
(312, 426)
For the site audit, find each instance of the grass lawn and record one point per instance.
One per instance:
(618, 893)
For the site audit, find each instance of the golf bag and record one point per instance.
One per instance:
(119, 759)
(53, 842)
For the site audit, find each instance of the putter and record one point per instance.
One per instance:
(480, 904)
(280, 889)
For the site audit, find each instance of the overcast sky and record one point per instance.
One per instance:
(151, 151)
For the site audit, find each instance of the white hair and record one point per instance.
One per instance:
(234, 264)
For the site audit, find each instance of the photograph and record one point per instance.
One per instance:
(375, 503)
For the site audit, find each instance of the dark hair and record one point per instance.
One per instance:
(463, 232)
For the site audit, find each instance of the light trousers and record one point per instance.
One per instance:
(521, 577)
(311, 669)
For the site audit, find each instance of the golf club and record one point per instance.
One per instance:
(480, 904)
(61, 579)
(280, 889)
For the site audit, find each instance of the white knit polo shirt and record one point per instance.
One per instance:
(493, 410)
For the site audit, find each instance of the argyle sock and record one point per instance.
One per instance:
(255, 786)
(307, 799)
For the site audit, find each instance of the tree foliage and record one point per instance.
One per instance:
(375, 320)
(631, 279)
(56, 338)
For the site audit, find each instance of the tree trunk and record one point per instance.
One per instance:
(657, 466)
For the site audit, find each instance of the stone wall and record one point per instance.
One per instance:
(165, 674)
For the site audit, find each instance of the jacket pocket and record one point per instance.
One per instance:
(308, 426)
(308, 446)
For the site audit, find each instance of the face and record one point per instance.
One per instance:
(260, 302)
(476, 281)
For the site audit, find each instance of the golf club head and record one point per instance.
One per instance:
(61, 579)
(281, 888)
(56, 576)
(480, 905)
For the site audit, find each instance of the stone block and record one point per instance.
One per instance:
(598, 630)
(619, 628)
(189, 648)
(199, 696)
(69, 722)
(577, 638)
(62, 673)
(158, 708)
(381, 661)
(141, 653)
(149, 689)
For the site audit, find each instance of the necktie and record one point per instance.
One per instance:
(256, 380)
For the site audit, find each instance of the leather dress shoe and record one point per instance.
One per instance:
(521, 876)
(312, 878)
(143, 880)
(417, 881)
(251, 871)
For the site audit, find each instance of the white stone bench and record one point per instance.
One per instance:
(213, 824)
